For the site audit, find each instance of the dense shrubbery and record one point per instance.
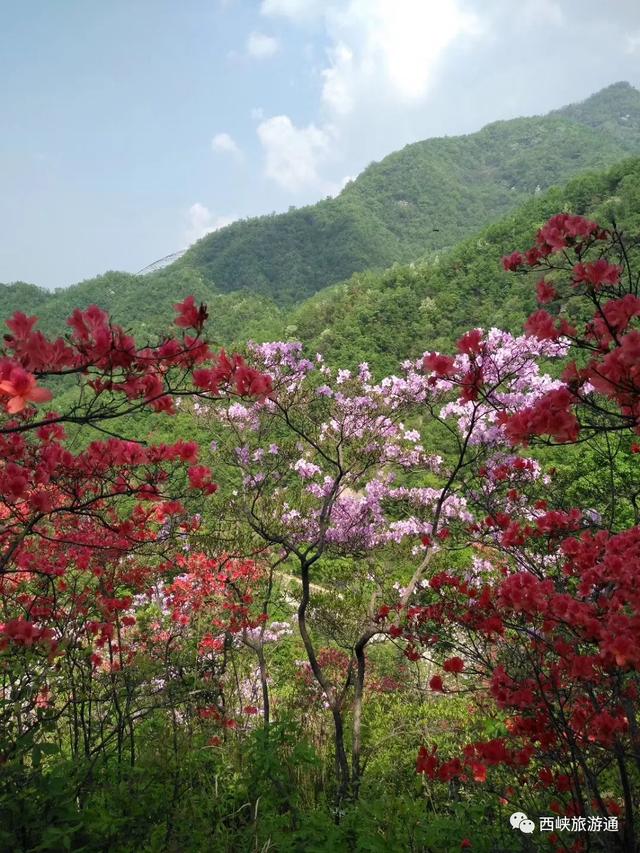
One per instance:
(382, 580)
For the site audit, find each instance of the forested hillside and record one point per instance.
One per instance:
(142, 303)
(409, 207)
(384, 317)
(428, 196)
(378, 317)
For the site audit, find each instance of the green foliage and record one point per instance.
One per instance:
(412, 205)
(267, 795)
(386, 317)
(426, 197)
(275, 791)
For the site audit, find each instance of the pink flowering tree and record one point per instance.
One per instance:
(332, 464)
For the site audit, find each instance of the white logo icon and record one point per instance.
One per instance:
(519, 820)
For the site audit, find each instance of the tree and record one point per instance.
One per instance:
(550, 624)
(317, 463)
(86, 526)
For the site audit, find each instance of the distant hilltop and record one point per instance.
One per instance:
(414, 206)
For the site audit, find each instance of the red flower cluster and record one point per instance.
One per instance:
(552, 415)
(596, 273)
(86, 526)
(608, 338)
(233, 372)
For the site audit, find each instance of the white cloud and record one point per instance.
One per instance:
(632, 42)
(383, 47)
(293, 154)
(261, 46)
(391, 46)
(297, 10)
(225, 144)
(540, 12)
(202, 221)
(382, 56)
(338, 88)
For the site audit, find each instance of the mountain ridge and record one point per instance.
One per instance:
(412, 205)
(427, 196)
(384, 318)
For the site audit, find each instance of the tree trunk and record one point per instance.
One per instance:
(357, 718)
(342, 762)
(265, 687)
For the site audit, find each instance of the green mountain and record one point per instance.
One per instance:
(426, 197)
(384, 318)
(143, 304)
(415, 205)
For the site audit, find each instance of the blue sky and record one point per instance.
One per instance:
(129, 128)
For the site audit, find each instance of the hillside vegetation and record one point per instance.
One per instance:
(380, 317)
(426, 197)
(411, 206)
(385, 317)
